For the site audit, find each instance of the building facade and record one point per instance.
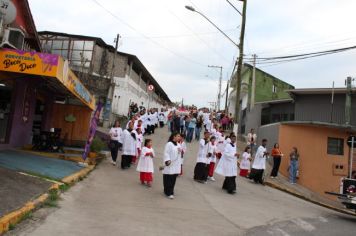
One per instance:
(93, 62)
(256, 92)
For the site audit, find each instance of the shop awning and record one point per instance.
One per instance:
(51, 66)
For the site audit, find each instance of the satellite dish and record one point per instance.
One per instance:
(7, 11)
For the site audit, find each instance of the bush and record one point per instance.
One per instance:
(97, 145)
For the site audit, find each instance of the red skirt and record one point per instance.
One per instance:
(243, 172)
(211, 169)
(146, 176)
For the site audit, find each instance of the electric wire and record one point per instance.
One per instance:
(146, 37)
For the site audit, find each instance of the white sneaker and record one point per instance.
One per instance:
(113, 163)
(171, 197)
(212, 179)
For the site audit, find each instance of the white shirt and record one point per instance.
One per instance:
(208, 125)
(227, 165)
(128, 144)
(203, 152)
(260, 159)
(145, 163)
(116, 134)
(171, 153)
(161, 117)
(245, 162)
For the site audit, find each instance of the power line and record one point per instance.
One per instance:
(148, 38)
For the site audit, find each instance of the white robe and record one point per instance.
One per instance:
(203, 152)
(183, 147)
(245, 163)
(128, 144)
(220, 143)
(145, 163)
(227, 165)
(259, 162)
(212, 150)
(171, 153)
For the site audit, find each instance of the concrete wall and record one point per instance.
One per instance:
(269, 132)
(318, 108)
(253, 118)
(315, 165)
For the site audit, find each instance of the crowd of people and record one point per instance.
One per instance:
(217, 151)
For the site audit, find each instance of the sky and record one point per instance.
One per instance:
(177, 45)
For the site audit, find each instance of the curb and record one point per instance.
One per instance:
(76, 176)
(16, 216)
(278, 187)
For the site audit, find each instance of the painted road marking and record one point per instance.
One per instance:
(277, 231)
(303, 224)
(323, 219)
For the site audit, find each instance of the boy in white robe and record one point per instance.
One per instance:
(172, 164)
(259, 163)
(212, 153)
(227, 166)
(203, 159)
(129, 147)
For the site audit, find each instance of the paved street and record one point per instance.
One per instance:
(112, 202)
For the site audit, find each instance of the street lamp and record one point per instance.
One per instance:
(240, 58)
(190, 8)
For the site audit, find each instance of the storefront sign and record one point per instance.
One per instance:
(48, 65)
(28, 62)
(92, 130)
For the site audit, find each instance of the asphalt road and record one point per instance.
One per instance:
(112, 202)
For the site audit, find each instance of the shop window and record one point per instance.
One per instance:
(5, 109)
(335, 146)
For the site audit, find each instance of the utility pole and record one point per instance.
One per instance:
(239, 66)
(348, 101)
(227, 97)
(220, 81)
(108, 107)
(253, 85)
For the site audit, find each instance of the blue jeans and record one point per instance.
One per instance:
(293, 168)
(197, 133)
(190, 134)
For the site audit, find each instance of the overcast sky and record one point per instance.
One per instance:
(177, 45)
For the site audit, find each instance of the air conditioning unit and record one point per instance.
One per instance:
(13, 38)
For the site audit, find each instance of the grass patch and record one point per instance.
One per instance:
(11, 227)
(52, 199)
(64, 187)
(26, 216)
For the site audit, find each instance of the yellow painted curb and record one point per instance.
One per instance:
(298, 195)
(80, 174)
(14, 217)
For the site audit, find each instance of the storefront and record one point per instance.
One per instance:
(38, 92)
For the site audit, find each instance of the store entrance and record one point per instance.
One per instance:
(5, 110)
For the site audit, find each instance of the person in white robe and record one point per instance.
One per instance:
(139, 142)
(220, 139)
(259, 163)
(129, 147)
(245, 163)
(212, 153)
(145, 164)
(227, 166)
(183, 147)
(203, 160)
(172, 164)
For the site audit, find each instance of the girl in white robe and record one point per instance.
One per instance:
(139, 142)
(172, 164)
(227, 166)
(145, 163)
(183, 147)
(245, 163)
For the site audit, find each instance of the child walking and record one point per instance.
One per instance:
(245, 164)
(183, 147)
(145, 163)
(212, 151)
